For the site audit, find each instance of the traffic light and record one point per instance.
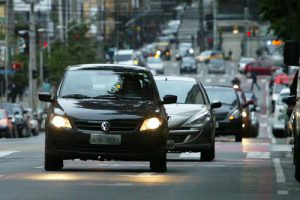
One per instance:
(17, 66)
(249, 34)
(209, 25)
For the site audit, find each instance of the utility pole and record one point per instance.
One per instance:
(60, 21)
(215, 24)
(246, 27)
(78, 18)
(99, 30)
(66, 27)
(32, 57)
(7, 57)
(201, 28)
(48, 27)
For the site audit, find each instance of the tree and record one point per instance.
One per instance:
(80, 50)
(284, 17)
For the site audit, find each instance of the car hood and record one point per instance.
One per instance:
(180, 113)
(224, 109)
(95, 109)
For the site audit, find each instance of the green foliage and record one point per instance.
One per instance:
(284, 17)
(20, 78)
(79, 50)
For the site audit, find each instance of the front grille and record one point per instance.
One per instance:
(221, 116)
(116, 126)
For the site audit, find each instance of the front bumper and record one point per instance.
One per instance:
(73, 144)
(191, 139)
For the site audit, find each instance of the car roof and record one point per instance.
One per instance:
(175, 78)
(106, 66)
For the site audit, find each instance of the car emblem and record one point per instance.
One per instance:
(105, 126)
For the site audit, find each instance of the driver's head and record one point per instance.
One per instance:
(131, 83)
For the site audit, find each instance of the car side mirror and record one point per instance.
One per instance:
(216, 104)
(45, 97)
(169, 99)
(290, 100)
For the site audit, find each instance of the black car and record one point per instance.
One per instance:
(229, 116)
(192, 120)
(16, 113)
(103, 112)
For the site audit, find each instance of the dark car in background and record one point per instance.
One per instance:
(192, 121)
(229, 115)
(188, 64)
(217, 66)
(115, 112)
(17, 114)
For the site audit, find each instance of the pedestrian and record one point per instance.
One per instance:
(230, 54)
(254, 80)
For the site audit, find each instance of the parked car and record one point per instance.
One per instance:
(192, 120)
(229, 115)
(250, 96)
(155, 64)
(260, 68)
(217, 66)
(188, 64)
(207, 55)
(243, 62)
(280, 115)
(6, 126)
(115, 112)
(16, 113)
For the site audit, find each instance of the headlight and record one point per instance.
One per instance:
(60, 122)
(244, 114)
(150, 124)
(234, 115)
(199, 119)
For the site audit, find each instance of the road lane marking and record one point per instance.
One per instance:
(222, 80)
(270, 135)
(6, 153)
(189, 155)
(282, 147)
(39, 167)
(280, 178)
(1, 176)
(282, 192)
(258, 155)
(263, 125)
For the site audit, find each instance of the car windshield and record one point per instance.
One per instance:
(278, 88)
(154, 60)
(105, 84)
(123, 57)
(187, 92)
(225, 96)
(188, 60)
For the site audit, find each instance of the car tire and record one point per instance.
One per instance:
(208, 155)
(238, 137)
(9, 133)
(159, 164)
(53, 163)
(24, 132)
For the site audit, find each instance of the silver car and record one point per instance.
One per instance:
(191, 119)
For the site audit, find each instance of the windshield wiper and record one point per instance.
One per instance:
(76, 96)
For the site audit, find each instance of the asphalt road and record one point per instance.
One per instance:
(257, 168)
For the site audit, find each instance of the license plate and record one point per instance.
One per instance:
(105, 139)
(170, 144)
